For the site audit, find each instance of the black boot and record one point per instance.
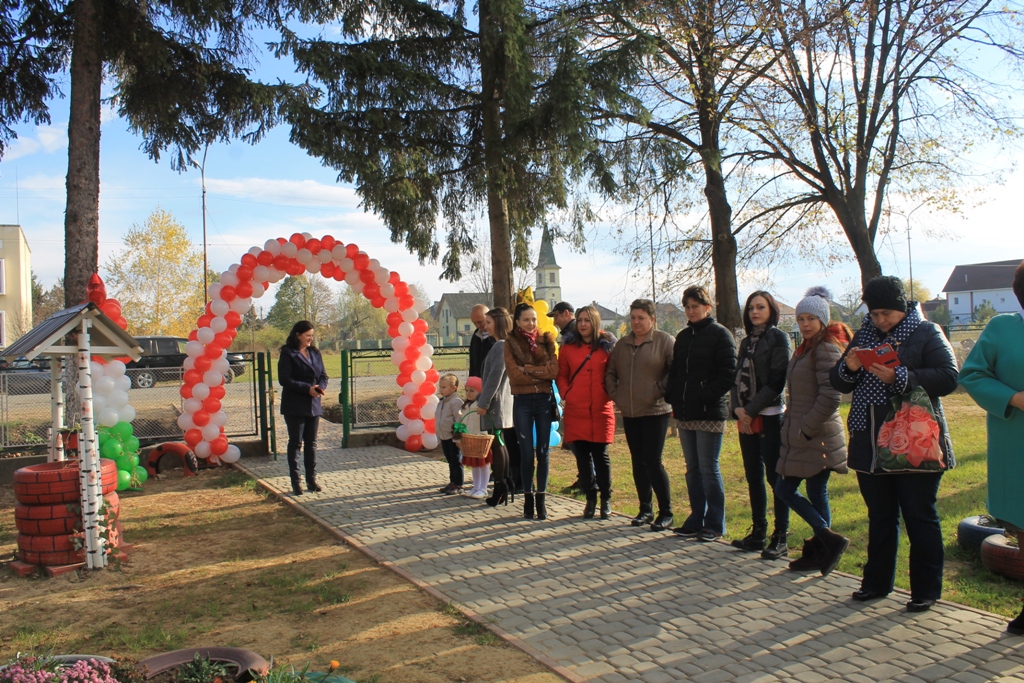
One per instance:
(296, 488)
(511, 487)
(1016, 627)
(834, 547)
(606, 505)
(312, 485)
(776, 547)
(591, 506)
(499, 496)
(810, 558)
(754, 541)
(642, 517)
(542, 512)
(528, 505)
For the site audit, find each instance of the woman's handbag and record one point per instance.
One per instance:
(756, 425)
(910, 438)
(556, 413)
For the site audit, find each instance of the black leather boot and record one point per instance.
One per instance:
(754, 541)
(834, 545)
(499, 496)
(777, 546)
(606, 505)
(591, 507)
(296, 487)
(312, 485)
(528, 505)
(542, 512)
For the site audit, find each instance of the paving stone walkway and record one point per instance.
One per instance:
(608, 602)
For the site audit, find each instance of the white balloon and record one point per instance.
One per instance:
(219, 307)
(185, 422)
(405, 329)
(205, 335)
(352, 277)
(403, 401)
(229, 278)
(201, 391)
(419, 376)
(276, 275)
(431, 403)
(258, 290)
(338, 252)
(260, 274)
(212, 378)
(103, 385)
(325, 256)
(99, 403)
(400, 344)
(202, 450)
(381, 275)
(273, 246)
(127, 413)
(397, 358)
(114, 368)
(409, 388)
(391, 305)
(403, 419)
(219, 324)
(303, 256)
(420, 305)
(189, 363)
(220, 418)
(423, 363)
(242, 306)
(408, 315)
(346, 264)
(191, 405)
(214, 291)
(210, 431)
(358, 287)
(124, 382)
(96, 369)
(289, 249)
(313, 266)
(387, 290)
(430, 441)
(117, 399)
(231, 455)
(402, 432)
(308, 236)
(427, 350)
(194, 348)
(254, 251)
(416, 427)
(109, 417)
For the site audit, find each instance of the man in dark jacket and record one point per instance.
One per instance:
(480, 343)
(565, 320)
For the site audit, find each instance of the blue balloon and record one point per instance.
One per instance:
(554, 426)
(556, 438)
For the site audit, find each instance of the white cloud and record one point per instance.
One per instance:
(287, 192)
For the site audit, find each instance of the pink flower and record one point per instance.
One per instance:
(899, 443)
(885, 434)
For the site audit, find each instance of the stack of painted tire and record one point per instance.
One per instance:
(48, 511)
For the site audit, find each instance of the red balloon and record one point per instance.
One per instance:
(227, 292)
(367, 276)
(403, 379)
(393, 331)
(394, 278)
(209, 309)
(193, 335)
(372, 289)
(351, 251)
(185, 390)
(295, 268)
(401, 289)
(265, 258)
(282, 241)
(233, 318)
(314, 246)
(428, 388)
(213, 351)
(211, 404)
(298, 240)
(202, 363)
(394, 319)
(201, 418)
(204, 320)
(407, 367)
(244, 273)
(405, 302)
(339, 274)
(111, 308)
(412, 352)
(193, 436)
(218, 392)
(412, 412)
(219, 446)
(414, 443)
(249, 261)
(429, 426)
(192, 377)
(419, 400)
(417, 339)
(433, 375)
(328, 242)
(121, 322)
(244, 290)
(222, 339)
(420, 325)
(327, 269)
(361, 260)
(378, 301)
(281, 262)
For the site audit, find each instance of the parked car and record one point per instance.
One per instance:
(162, 360)
(22, 376)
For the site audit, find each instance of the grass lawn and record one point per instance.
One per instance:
(962, 494)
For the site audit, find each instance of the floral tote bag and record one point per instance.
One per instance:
(910, 438)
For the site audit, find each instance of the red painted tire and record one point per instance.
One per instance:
(57, 482)
(999, 557)
(189, 463)
(48, 520)
(63, 553)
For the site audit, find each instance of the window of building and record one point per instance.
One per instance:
(540, 279)
(551, 278)
(956, 299)
(3, 277)
(465, 328)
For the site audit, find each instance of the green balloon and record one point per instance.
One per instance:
(111, 450)
(134, 457)
(141, 474)
(122, 430)
(103, 437)
(131, 444)
(124, 462)
(124, 480)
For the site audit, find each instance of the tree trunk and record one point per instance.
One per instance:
(723, 251)
(851, 218)
(497, 211)
(81, 219)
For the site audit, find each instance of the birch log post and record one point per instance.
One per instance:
(56, 453)
(89, 460)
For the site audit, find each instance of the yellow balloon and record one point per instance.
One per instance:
(542, 309)
(525, 296)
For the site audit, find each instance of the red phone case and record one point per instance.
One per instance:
(883, 355)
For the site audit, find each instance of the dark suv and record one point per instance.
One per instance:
(162, 359)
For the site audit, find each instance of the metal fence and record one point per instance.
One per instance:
(962, 338)
(25, 404)
(369, 391)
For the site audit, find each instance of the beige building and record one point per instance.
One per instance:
(15, 284)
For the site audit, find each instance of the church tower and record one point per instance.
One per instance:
(549, 286)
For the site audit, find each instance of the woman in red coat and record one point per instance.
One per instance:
(589, 416)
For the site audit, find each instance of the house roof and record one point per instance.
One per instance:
(462, 303)
(785, 309)
(607, 314)
(975, 276)
(47, 337)
(934, 304)
(546, 258)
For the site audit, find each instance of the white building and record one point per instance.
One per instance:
(971, 285)
(15, 284)
(549, 286)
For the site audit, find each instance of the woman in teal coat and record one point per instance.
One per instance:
(993, 375)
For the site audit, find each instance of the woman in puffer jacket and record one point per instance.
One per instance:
(813, 440)
(589, 416)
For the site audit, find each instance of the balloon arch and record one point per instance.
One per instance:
(203, 418)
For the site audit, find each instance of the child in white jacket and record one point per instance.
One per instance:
(445, 416)
(469, 417)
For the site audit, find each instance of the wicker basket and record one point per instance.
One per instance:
(475, 445)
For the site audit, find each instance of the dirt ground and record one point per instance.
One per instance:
(216, 562)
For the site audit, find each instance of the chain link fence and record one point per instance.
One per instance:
(25, 404)
(962, 338)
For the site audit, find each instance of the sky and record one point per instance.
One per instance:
(272, 189)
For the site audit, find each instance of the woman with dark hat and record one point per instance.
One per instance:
(926, 360)
(300, 369)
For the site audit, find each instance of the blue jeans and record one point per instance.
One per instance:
(815, 511)
(530, 411)
(704, 484)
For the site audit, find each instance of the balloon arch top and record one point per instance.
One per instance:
(203, 418)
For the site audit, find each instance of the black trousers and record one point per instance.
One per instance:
(913, 494)
(512, 447)
(594, 466)
(302, 431)
(645, 437)
(456, 474)
(760, 458)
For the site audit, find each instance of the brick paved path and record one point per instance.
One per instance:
(608, 602)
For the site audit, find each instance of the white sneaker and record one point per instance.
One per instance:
(478, 494)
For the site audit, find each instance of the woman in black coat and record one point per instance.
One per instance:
(757, 403)
(926, 361)
(300, 370)
(703, 371)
